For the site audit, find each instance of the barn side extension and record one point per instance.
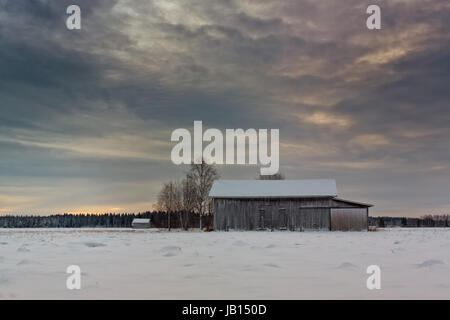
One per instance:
(296, 205)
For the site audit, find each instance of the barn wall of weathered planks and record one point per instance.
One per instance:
(296, 214)
(348, 219)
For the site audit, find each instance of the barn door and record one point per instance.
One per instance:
(282, 219)
(313, 219)
(261, 219)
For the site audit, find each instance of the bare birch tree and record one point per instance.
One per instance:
(189, 200)
(203, 176)
(170, 199)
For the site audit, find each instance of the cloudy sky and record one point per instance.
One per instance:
(86, 115)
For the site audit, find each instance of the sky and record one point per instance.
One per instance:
(86, 115)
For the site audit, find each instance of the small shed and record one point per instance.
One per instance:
(296, 205)
(140, 223)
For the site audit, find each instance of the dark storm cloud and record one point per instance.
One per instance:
(369, 108)
(41, 76)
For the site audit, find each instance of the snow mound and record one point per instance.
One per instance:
(170, 251)
(346, 265)
(430, 263)
(239, 243)
(23, 249)
(94, 244)
(271, 265)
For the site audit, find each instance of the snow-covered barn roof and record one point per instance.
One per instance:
(273, 188)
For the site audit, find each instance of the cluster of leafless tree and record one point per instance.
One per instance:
(190, 195)
(436, 220)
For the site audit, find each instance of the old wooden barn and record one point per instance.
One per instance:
(296, 205)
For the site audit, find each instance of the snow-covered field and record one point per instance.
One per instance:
(145, 264)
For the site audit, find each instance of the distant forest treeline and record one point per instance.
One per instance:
(427, 221)
(107, 220)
